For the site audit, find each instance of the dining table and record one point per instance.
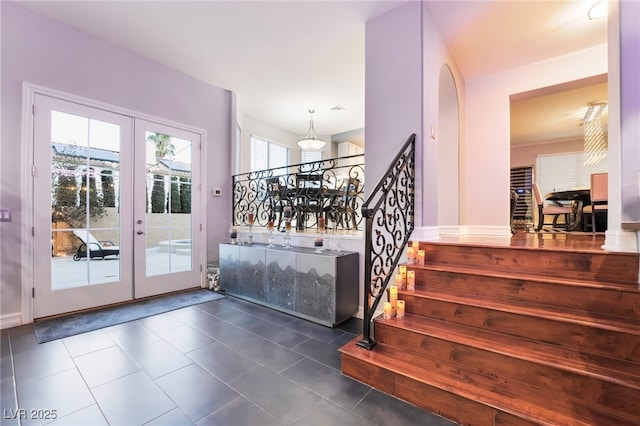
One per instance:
(577, 197)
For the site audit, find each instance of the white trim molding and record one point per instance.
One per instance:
(425, 233)
(10, 320)
(624, 241)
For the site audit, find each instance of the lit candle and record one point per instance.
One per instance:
(393, 298)
(386, 310)
(403, 271)
(415, 245)
(393, 293)
(411, 280)
(410, 255)
(287, 225)
(270, 225)
(321, 226)
(400, 281)
(318, 242)
(233, 233)
(400, 309)
(420, 257)
(250, 219)
(287, 212)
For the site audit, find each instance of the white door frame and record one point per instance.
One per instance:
(29, 91)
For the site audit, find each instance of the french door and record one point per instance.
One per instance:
(167, 237)
(115, 207)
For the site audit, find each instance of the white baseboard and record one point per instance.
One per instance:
(10, 320)
(425, 233)
(360, 313)
(625, 241)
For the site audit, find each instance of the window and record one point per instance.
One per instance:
(566, 171)
(310, 156)
(267, 155)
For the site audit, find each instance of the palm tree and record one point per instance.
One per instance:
(164, 148)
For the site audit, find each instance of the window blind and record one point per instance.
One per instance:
(310, 156)
(267, 155)
(566, 171)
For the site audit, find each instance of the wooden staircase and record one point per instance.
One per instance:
(502, 335)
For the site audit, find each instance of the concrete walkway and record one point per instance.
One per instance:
(68, 273)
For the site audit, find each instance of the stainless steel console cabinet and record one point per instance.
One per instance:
(320, 287)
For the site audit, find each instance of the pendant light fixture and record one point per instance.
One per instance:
(599, 10)
(595, 138)
(311, 142)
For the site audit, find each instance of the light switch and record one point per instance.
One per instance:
(5, 215)
(216, 192)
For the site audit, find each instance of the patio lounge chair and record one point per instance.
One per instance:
(96, 248)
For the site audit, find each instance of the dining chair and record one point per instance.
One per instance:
(309, 198)
(556, 210)
(599, 191)
(278, 200)
(343, 206)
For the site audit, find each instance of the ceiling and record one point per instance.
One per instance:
(284, 58)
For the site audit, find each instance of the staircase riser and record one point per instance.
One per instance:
(443, 403)
(615, 268)
(608, 301)
(603, 342)
(528, 380)
(466, 411)
(529, 343)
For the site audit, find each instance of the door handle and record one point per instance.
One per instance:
(139, 232)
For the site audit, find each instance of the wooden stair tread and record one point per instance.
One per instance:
(599, 367)
(508, 334)
(618, 267)
(468, 270)
(575, 316)
(493, 246)
(423, 369)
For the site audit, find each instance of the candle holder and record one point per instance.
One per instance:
(287, 235)
(270, 229)
(241, 237)
(233, 235)
(318, 243)
(336, 242)
(250, 236)
(250, 220)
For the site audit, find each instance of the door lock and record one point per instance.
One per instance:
(139, 221)
(139, 232)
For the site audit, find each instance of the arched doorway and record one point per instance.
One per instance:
(448, 153)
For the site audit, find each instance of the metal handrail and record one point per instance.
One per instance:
(389, 221)
(332, 188)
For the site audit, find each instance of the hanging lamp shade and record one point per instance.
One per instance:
(311, 142)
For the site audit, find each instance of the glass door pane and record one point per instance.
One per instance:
(82, 247)
(85, 221)
(168, 218)
(167, 209)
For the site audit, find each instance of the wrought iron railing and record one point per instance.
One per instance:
(388, 213)
(332, 189)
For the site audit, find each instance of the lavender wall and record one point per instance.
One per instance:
(393, 79)
(630, 110)
(42, 51)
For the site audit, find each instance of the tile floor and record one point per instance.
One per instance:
(226, 362)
